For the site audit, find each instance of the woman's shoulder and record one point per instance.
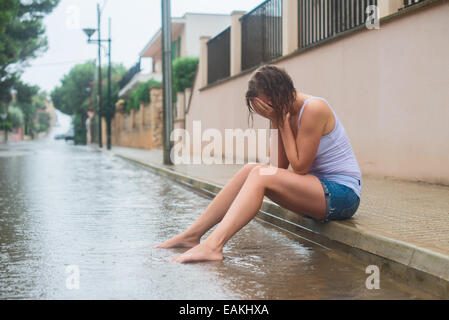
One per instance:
(315, 107)
(315, 100)
(313, 113)
(318, 111)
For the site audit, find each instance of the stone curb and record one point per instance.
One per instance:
(418, 266)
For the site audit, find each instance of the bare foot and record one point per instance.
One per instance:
(179, 241)
(199, 253)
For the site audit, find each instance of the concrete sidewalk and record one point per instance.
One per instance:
(400, 221)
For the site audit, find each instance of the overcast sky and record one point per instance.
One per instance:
(134, 22)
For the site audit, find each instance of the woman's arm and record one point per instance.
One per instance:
(302, 151)
(282, 160)
(278, 159)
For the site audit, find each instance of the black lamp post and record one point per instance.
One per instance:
(89, 32)
(3, 117)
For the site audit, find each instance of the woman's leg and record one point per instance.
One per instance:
(213, 213)
(299, 193)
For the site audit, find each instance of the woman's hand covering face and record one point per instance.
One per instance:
(263, 109)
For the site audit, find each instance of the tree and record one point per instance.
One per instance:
(78, 92)
(117, 73)
(71, 96)
(29, 100)
(22, 36)
(184, 70)
(75, 88)
(5, 92)
(24, 101)
(43, 119)
(15, 117)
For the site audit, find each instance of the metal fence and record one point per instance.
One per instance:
(130, 75)
(408, 3)
(219, 56)
(322, 19)
(262, 34)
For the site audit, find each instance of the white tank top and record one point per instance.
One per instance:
(335, 159)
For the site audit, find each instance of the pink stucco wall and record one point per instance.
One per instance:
(389, 87)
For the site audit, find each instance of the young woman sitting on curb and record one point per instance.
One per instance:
(324, 183)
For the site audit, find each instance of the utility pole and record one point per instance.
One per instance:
(108, 114)
(100, 139)
(109, 107)
(167, 75)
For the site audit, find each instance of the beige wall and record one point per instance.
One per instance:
(139, 129)
(389, 88)
(387, 7)
(198, 25)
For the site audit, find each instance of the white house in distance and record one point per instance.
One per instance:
(186, 33)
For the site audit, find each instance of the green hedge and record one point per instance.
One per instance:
(184, 70)
(43, 120)
(15, 116)
(6, 124)
(79, 127)
(141, 94)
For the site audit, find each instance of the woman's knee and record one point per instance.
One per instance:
(249, 167)
(258, 172)
(254, 170)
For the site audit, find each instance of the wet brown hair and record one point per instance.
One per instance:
(277, 85)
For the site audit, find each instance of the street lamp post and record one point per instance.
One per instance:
(89, 32)
(3, 116)
(109, 110)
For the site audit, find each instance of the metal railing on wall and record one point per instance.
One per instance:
(262, 34)
(322, 19)
(219, 56)
(408, 3)
(129, 75)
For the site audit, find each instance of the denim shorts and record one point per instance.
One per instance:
(341, 201)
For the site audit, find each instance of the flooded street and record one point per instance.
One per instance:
(62, 205)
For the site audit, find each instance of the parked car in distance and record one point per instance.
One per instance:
(60, 136)
(70, 135)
